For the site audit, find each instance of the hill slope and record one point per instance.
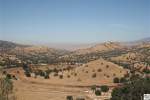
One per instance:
(107, 46)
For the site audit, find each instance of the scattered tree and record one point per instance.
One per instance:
(133, 90)
(97, 92)
(94, 75)
(69, 98)
(104, 88)
(116, 80)
(61, 76)
(99, 70)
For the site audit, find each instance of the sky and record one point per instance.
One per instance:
(74, 21)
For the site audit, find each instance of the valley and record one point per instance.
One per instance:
(42, 73)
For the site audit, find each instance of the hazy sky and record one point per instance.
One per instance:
(74, 21)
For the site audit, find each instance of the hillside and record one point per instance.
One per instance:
(95, 72)
(18, 53)
(6, 45)
(107, 46)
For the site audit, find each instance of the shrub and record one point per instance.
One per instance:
(55, 70)
(122, 80)
(104, 74)
(48, 71)
(104, 88)
(61, 76)
(107, 76)
(94, 75)
(99, 70)
(114, 74)
(93, 88)
(116, 80)
(98, 92)
(68, 76)
(75, 74)
(147, 71)
(41, 73)
(69, 98)
(127, 75)
(80, 98)
(107, 66)
(8, 76)
(55, 74)
(27, 74)
(4, 72)
(46, 76)
(18, 72)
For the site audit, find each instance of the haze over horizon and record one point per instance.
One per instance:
(74, 21)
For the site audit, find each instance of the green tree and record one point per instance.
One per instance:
(116, 80)
(6, 88)
(104, 88)
(132, 90)
(97, 92)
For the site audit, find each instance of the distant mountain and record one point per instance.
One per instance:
(145, 40)
(107, 46)
(7, 44)
(138, 42)
(27, 48)
(31, 53)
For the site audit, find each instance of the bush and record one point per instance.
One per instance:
(104, 88)
(41, 73)
(68, 76)
(69, 98)
(97, 92)
(116, 80)
(4, 72)
(8, 76)
(114, 74)
(46, 76)
(107, 76)
(94, 75)
(55, 70)
(27, 74)
(107, 66)
(48, 71)
(55, 74)
(61, 76)
(146, 71)
(80, 98)
(122, 80)
(99, 70)
(93, 88)
(75, 74)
